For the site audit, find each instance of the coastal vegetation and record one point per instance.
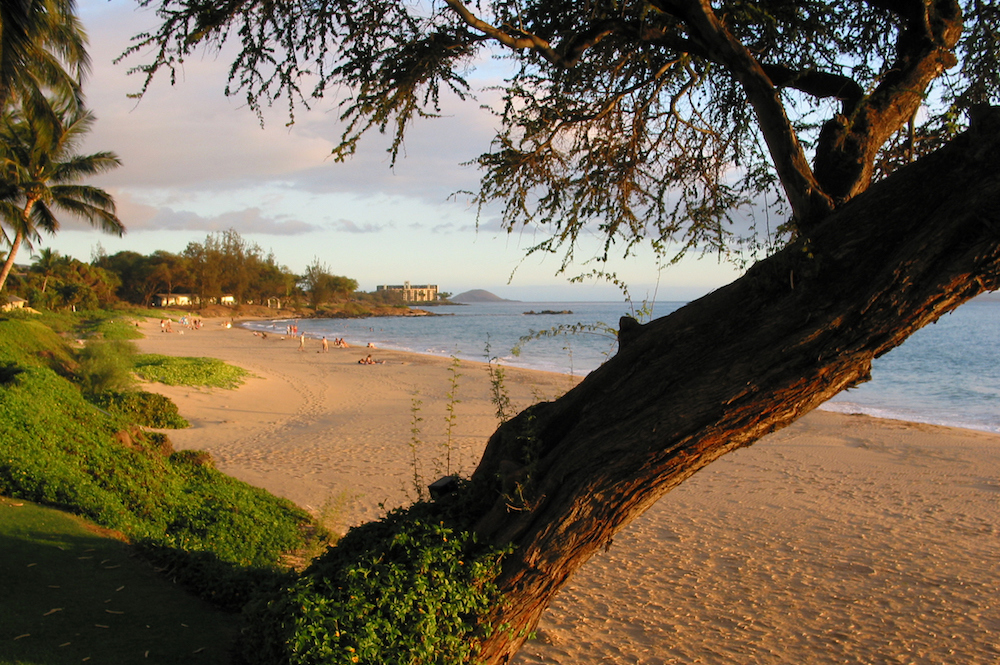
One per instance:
(175, 371)
(70, 437)
(225, 268)
(41, 170)
(857, 135)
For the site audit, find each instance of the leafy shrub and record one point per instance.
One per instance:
(143, 408)
(175, 371)
(106, 366)
(408, 589)
(193, 458)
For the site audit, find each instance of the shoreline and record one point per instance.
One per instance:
(842, 538)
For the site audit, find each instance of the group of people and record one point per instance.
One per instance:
(166, 325)
(368, 360)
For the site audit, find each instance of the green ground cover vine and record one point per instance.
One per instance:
(409, 589)
(199, 372)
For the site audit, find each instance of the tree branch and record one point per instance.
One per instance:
(526, 41)
(817, 84)
(849, 144)
(806, 197)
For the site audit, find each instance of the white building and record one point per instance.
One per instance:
(413, 293)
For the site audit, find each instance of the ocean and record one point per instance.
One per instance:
(946, 374)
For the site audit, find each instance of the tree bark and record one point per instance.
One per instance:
(563, 477)
(9, 261)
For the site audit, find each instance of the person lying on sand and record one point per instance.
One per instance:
(368, 360)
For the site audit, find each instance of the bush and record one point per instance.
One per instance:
(142, 408)
(409, 588)
(106, 366)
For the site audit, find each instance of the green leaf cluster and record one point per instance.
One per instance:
(177, 371)
(411, 588)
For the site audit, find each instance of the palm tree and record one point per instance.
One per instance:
(39, 171)
(42, 47)
(47, 263)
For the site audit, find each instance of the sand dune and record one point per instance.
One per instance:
(842, 539)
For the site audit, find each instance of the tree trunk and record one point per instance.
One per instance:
(563, 477)
(9, 263)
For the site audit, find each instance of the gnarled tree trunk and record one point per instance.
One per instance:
(725, 370)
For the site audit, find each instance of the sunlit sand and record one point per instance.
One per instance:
(842, 539)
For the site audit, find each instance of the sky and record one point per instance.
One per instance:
(196, 162)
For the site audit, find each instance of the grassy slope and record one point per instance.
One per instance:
(56, 448)
(221, 537)
(70, 593)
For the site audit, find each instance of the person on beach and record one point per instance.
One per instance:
(326, 345)
(302, 342)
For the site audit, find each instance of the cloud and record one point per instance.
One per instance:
(347, 226)
(245, 221)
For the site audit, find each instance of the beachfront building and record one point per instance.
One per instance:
(174, 300)
(12, 302)
(411, 293)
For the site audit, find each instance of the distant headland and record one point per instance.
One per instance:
(477, 296)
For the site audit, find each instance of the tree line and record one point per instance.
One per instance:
(224, 264)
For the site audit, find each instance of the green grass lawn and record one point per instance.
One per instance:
(69, 594)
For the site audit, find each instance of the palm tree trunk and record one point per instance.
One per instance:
(9, 263)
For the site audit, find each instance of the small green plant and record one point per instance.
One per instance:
(450, 417)
(498, 387)
(415, 445)
(143, 408)
(331, 514)
(198, 372)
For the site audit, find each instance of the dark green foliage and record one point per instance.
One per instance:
(143, 408)
(408, 589)
(58, 449)
(8, 371)
(226, 585)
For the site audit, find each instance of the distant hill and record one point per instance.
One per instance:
(478, 295)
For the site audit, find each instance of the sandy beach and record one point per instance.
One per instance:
(841, 539)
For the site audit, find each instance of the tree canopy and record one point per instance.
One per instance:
(649, 120)
(40, 171)
(42, 46)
